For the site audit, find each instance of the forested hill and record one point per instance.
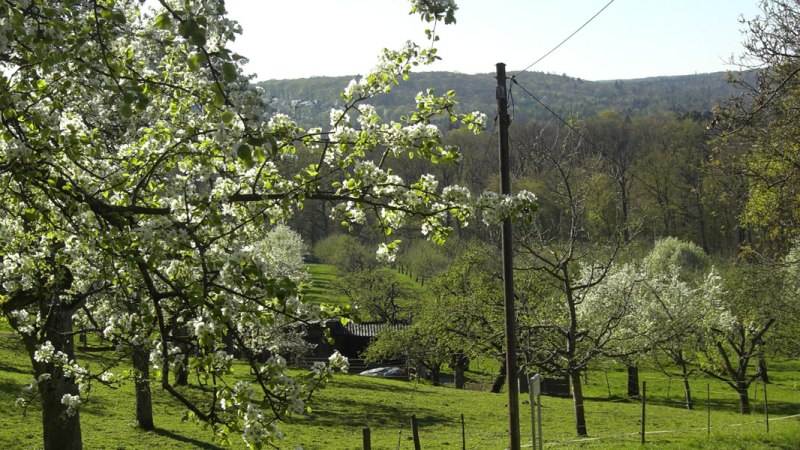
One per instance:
(310, 99)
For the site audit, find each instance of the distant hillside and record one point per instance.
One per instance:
(310, 99)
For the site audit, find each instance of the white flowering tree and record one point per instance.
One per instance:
(679, 304)
(135, 156)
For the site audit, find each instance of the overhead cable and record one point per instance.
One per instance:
(565, 40)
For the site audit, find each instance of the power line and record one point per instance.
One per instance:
(565, 40)
(608, 155)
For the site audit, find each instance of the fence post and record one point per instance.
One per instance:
(669, 386)
(755, 390)
(463, 434)
(708, 407)
(366, 437)
(766, 407)
(415, 431)
(644, 395)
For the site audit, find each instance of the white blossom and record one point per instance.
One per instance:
(339, 362)
(72, 402)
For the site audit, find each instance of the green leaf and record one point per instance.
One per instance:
(198, 37)
(229, 72)
(126, 111)
(194, 61)
(188, 28)
(245, 154)
(163, 21)
(219, 96)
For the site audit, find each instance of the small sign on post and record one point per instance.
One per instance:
(536, 409)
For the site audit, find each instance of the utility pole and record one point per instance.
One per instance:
(508, 267)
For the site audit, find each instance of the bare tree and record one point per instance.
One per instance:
(563, 264)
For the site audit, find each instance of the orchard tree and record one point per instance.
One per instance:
(753, 301)
(556, 250)
(132, 144)
(623, 340)
(763, 122)
(467, 307)
(786, 328)
(680, 302)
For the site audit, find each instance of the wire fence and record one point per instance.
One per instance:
(663, 415)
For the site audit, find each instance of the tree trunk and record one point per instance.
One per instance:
(577, 401)
(435, 375)
(687, 390)
(180, 334)
(500, 380)
(460, 363)
(140, 359)
(181, 374)
(744, 398)
(61, 431)
(633, 381)
(522, 381)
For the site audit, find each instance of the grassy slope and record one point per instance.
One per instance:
(351, 402)
(323, 276)
(319, 291)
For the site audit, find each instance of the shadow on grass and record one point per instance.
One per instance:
(13, 369)
(177, 437)
(777, 408)
(356, 413)
(10, 388)
(367, 383)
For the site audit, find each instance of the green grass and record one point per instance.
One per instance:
(352, 402)
(320, 289)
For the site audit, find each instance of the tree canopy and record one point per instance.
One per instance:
(138, 163)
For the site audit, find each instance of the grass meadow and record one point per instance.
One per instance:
(352, 402)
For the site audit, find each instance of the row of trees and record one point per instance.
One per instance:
(671, 309)
(590, 283)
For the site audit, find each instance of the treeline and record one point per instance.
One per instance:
(310, 99)
(644, 176)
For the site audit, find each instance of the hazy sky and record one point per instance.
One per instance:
(630, 39)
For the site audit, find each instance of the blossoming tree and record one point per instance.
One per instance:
(137, 163)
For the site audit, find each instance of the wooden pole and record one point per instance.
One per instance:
(463, 434)
(415, 431)
(366, 436)
(531, 392)
(644, 394)
(708, 407)
(508, 272)
(766, 407)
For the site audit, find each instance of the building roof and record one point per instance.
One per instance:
(368, 329)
